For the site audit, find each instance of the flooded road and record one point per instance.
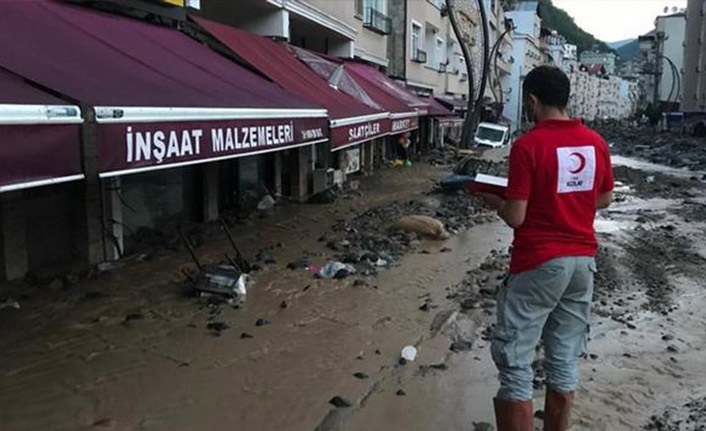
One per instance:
(128, 350)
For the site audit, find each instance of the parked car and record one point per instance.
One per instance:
(491, 135)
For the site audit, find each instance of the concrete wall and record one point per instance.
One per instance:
(674, 28)
(695, 58)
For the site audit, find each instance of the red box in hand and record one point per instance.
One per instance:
(487, 184)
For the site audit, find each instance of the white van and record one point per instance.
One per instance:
(491, 135)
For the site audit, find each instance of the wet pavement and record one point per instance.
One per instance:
(128, 349)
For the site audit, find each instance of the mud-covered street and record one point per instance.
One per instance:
(130, 347)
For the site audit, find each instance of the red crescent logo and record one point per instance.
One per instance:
(582, 162)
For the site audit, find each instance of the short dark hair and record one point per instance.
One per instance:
(548, 84)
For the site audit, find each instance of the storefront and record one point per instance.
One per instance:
(357, 123)
(163, 115)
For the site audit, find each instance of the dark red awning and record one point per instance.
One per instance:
(161, 99)
(389, 86)
(437, 109)
(39, 136)
(352, 122)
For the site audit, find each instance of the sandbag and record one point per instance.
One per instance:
(423, 226)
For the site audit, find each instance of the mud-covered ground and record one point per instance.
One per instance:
(129, 348)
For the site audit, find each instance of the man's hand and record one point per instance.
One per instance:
(513, 212)
(493, 201)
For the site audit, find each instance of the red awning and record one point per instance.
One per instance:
(39, 135)
(343, 77)
(161, 99)
(352, 121)
(437, 109)
(389, 86)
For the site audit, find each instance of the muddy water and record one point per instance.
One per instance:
(79, 362)
(653, 167)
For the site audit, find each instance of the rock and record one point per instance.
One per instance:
(56, 284)
(133, 316)
(400, 393)
(217, 327)
(431, 203)
(245, 335)
(360, 375)
(104, 423)
(468, 304)
(441, 366)
(482, 426)
(539, 414)
(378, 352)
(339, 402)
(299, 264)
(593, 356)
(672, 348)
(341, 274)
(262, 322)
(445, 250)
(424, 307)
(667, 337)
(461, 346)
(283, 304)
(351, 257)
(359, 282)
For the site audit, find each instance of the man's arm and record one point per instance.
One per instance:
(512, 211)
(604, 200)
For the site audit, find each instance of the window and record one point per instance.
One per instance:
(359, 8)
(440, 54)
(440, 4)
(373, 5)
(416, 39)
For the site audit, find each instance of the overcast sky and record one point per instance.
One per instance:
(613, 20)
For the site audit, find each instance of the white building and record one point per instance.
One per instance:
(671, 30)
(527, 55)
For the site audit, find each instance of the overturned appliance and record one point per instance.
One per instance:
(230, 281)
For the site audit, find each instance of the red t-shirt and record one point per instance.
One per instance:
(560, 167)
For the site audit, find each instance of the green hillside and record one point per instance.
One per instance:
(557, 19)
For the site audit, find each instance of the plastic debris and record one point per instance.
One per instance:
(10, 304)
(266, 203)
(409, 353)
(336, 269)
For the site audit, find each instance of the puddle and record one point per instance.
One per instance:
(653, 167)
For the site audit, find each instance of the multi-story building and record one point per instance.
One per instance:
(555, 47)
(526, 53)
(500, 71)
(671, 30)
(695, 58)
(607, 59)
(647, 66)
(348, 29)
(424, 52)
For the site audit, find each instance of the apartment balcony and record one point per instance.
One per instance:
(419, 56)
(377, 21)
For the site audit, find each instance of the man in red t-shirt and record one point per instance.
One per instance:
(560, 174)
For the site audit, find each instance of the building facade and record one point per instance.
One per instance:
(671, 30)
(607, 59)
(695, 58)
(526, 53)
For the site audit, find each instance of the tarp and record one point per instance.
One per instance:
(39, 136)
(161, 98)
(352, 121)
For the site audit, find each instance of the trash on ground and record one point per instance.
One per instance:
(336, 269)
(266, 203)
(409, 353)
(9, 303)
(422, 225)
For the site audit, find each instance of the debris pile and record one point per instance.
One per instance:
(669, 148)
